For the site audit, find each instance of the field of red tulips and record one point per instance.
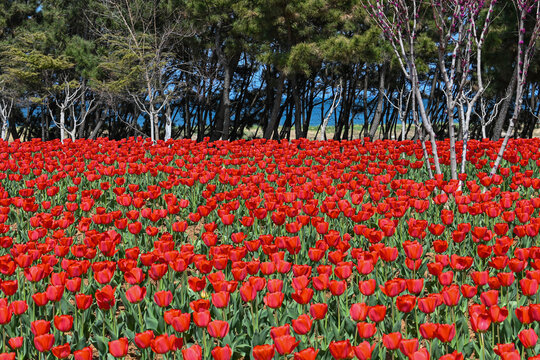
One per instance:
(263, 249)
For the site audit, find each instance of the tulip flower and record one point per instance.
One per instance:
(218, 328)
(44, 343)
(118, 348)
(302, 325)
(528, 338)
(63, 323)
(221, 353)
(364, 350)
(61, 351)
(318, 311)
(285, 344)
(391, 341)
(192, 353)
(143, 340)
(262, 352)
(341, 350)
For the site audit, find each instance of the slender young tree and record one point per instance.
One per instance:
(399, 21)
(139, 35)
(525, 54)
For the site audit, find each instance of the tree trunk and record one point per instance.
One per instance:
(273, 122)
(497, 130)
(297, 109)
(99, 124)
(377, 118)
(168, 123)
(5, 111)
(62, 124)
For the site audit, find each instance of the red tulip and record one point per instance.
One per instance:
(285, 344)
(413, 249)
(160, 344)
(278, 331)
(222, 353)
(5, 315)
(523, 314)
(377, 313)
(306, 354)
(63, 323)
(61, 351)
(163, 298)
(480, 322)
(303, 296)
(366, 330)
(181, 322)
(415, 286)
(393, 287)
(358, 312)
(451, 295)
(220, 299)
(341, 350)
(428, 330)
(391, 341)
(367, 287)
(218, 328)
(408, 346)
(247, 292)
(318, 311)
(44, 342)
(422, 354)
(490, 297)
(16, 342)
(118, 348)
(337, 288)
(427, 304)
(18, 307)
(364, 350)
(445, 332)
(143, 340)
(263, 352)
(199, 305)
(192, 353)
(480, 277)
(40, 327)
(135, 294)
(512, 355)
(406, 303)
(497, 314)
(528, 338)
(529, 287)
(468, 291)
(302, 325)
(197, 284)
(83, 354)
(503, 348)
(453, 356)
(274, 300)
(201, 318)
(105, 297)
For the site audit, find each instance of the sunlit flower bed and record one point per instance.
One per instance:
(263, 249)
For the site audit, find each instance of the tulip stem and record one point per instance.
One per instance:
(254, 318)
(338, 315)
(416, 322)
(140, 317)
(482, 355)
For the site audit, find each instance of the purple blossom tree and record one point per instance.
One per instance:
(399, 23)
(461, 38)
